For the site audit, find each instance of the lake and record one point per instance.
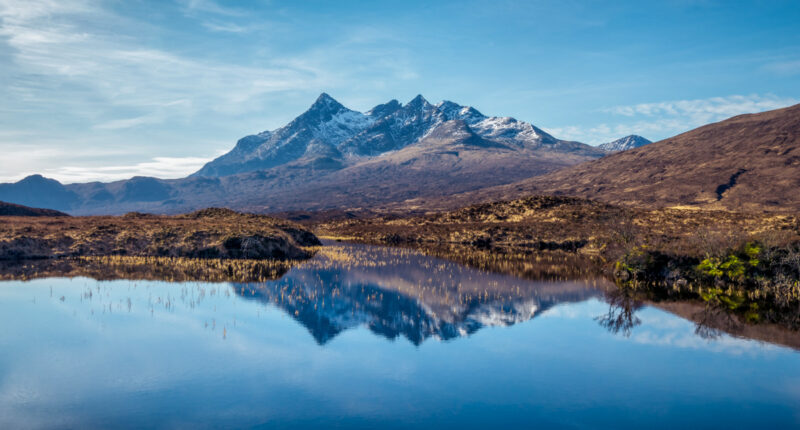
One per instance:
(374, 337)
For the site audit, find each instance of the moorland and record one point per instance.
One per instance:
(211, 244)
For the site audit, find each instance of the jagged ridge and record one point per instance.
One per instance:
(330, 131)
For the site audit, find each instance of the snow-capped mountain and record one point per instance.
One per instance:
(625, 143)
(331, 131)
(316, 133)
(332, 157)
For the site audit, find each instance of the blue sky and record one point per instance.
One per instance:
(103, 90)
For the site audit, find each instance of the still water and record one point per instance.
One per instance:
(367, 337)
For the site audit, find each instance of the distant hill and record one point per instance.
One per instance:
(625, 143)
(332, 157)
(749, 162)
(10, 209)
(38, 191)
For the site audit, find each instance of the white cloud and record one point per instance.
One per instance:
(664, 119)
(160, 167)
(61, 160)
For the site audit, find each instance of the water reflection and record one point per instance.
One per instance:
(399, 292)
(621, 317)
(81, 353)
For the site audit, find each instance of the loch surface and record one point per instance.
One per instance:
(373, 337)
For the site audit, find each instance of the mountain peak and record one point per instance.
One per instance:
(327, 103)
(625, 143)
(324, 97)
(417, 101)
(37, 179)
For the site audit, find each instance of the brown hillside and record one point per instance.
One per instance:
(11, 209)
(748, 162)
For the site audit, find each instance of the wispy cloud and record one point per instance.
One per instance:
(703, 110)
(668, 118)
(118, 124)
(216, 17)
(225, 27)
(160, 167)
(89, 73)
(212, 7)
(54, 43)
(789, 68)
(128, 74)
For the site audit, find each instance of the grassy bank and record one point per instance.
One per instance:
(209, 233)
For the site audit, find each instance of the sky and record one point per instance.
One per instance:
(105, 90)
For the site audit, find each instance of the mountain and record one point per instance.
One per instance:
(339, 136)
(315, 134)
(748, 162)
(332, 157)
(10, 209)
(452, 158)
(624, 144)
(38, 191)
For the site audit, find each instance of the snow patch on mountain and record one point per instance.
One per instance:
(625, 143)
(342, 126)
(511, 131)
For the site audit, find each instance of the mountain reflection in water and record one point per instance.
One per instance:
(77, 352)
(399, 292)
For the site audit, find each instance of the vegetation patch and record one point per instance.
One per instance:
(756, 280)
(206, 234)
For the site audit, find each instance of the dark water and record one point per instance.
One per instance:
(365, 337)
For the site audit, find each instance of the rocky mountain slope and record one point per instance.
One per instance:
(451, 159)
(625, 143)
(331, 157)
(748, 162)
(332, 135)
